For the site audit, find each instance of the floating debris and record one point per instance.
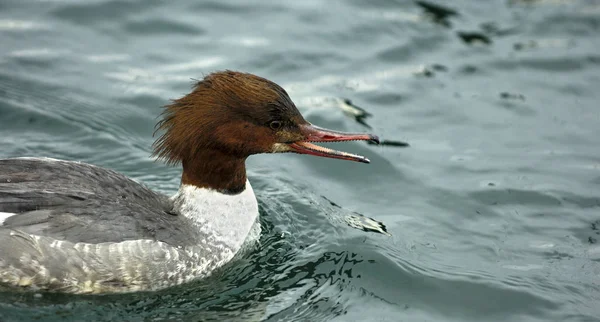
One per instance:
(438, 13)
(367, 224)
(439, 68)
(543, 43)
(348, 107)
(506, 95)
(359, 221)
(426, 71)
(595, 231)
(474, 37)
(469, 69)
(359, 113)
(520, 46)
(399, 144)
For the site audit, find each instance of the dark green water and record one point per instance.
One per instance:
(494, 210)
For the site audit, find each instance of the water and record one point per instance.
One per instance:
(493, 209)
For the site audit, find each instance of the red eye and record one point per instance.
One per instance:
(276, 125)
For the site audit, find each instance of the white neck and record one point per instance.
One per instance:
(228, 218)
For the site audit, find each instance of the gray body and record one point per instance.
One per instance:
(77, 228)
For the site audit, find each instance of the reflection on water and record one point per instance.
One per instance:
(492, 212)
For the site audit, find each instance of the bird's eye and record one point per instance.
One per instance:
(275, 125)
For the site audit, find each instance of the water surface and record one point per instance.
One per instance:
(493, 210)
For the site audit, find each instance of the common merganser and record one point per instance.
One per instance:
(77, 228)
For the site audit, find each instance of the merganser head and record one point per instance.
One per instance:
(232, 115)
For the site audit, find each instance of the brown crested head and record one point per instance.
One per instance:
(229, 116)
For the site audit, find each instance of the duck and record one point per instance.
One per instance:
(73, 227)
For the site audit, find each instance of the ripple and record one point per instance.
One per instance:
(40, 53)
(515, 196)
(247, 41)
(151, 27)
(557, 64)
(493, 210)
(108, 58)
(99, 12)
(289, 62)
(21, 25)
(239, 7)
(412, 48)
(198, 64)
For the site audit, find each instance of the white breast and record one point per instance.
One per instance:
(229, 218)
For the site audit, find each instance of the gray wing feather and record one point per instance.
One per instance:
(78, 202)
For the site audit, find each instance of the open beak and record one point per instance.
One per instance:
(313, 133)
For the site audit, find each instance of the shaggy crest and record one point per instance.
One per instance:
(218, 99)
